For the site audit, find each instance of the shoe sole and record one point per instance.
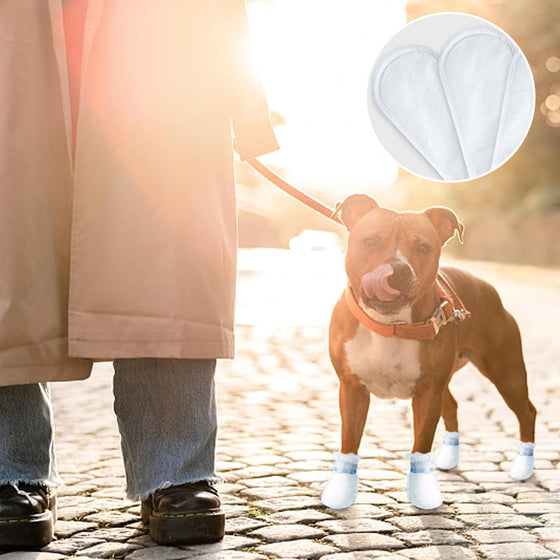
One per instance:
(35, 531)
(186, 528)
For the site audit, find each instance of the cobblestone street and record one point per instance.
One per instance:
(279, 424)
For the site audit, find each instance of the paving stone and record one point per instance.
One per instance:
(444, 552)
(479, 498)
(499, 521)
(361, 510)
(290, 502)
(363, 555)
(516, 551)
(554, 547)
(296, 516)
(159, 553)
(373, 498)
(493, 536)
(364, 541)
(272, 481)
(108, 550)
(272, 492)
(538, 497)
(486, 476)
(76, 512)
(537, 508)
(73, 544)
(229, 542)
(356, 525)
(235, 510)
(421, 522)
(409, 509)
(278, 533)
(254, 472)
(31, 556)
(481, 508)
(112, 518)
(548, 533)
(65, 529)
(242, 524)
(305, 548)
(551, 519)
(433, 536)
(117, 534)
(230, 555)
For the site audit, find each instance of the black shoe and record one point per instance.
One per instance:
(26, 517)
(185, 514)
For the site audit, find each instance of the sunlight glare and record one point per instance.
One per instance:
(315, 57)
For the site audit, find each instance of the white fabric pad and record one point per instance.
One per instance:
(341, 490)
(422, 486)
(408, 90)
(466, 111)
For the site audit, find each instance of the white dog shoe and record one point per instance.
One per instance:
(448, 455)
(422, 486)
(523, 465)
(342, 488)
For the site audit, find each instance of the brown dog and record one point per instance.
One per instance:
(403, 328)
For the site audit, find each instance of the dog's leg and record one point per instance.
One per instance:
(448, 455)
(422, 487)
(515, 394)
(506, 369)
(342, 489)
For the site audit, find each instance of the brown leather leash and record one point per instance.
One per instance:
(313, 203)
(451, 308)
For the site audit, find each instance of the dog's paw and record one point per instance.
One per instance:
(341, 491)
(422, 486)
(342, 488)
(448, 455)
(523, 465)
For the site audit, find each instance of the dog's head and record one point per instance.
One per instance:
(392, 258)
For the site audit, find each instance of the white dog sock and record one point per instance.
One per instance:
(448, 455)
(422, 486)
(523, 465)
(342, 488)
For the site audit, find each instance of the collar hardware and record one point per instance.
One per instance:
(450, 309)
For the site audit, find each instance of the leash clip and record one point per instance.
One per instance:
(439, 318)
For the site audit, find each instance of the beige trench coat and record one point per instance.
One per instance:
(136, 256)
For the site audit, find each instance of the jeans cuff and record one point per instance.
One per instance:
(49, 483)
(135, 496)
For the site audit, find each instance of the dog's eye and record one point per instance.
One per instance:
(423, 248)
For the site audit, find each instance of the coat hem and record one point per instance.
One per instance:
(44, 373)
(103, 337)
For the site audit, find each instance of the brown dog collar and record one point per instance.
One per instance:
(451, 308)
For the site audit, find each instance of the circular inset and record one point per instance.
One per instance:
(451, 97)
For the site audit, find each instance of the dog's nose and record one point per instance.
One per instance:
(402, 276)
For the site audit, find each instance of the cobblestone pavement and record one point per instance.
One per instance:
(279, 424)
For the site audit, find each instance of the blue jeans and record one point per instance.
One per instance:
(166, 412)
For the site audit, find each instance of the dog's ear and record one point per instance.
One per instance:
(446, 223)
(353, 207)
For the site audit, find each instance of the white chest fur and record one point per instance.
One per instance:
(388, 366)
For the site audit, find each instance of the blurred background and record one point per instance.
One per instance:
(315, 57)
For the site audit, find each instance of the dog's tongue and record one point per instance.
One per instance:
(376, 284)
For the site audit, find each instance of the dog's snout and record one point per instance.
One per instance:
(402, 276)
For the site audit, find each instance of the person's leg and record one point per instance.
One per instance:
(27, 466)
(166, 411)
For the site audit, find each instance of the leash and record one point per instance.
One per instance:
(275, 179)
(451, 308)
